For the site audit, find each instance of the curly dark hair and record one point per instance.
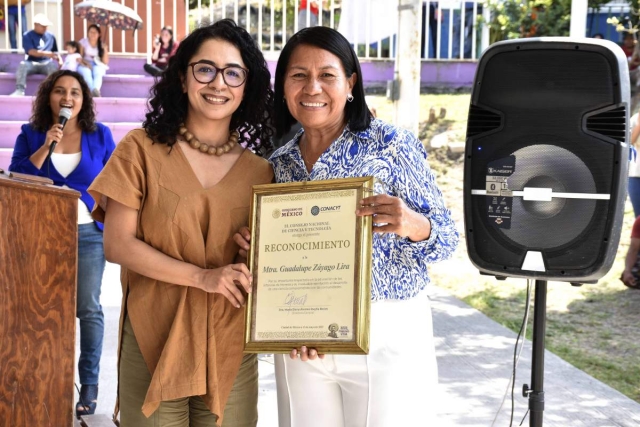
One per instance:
(356, 113)
(42, 118)
(168, 105)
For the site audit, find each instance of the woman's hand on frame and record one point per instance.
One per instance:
(392, 215)
(305, 354)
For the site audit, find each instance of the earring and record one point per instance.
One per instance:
(349, 98)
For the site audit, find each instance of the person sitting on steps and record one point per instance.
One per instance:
(95, 59)
(164, 47)
(42, 50)
(73, 58)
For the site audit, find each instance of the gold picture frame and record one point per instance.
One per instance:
(310, 259)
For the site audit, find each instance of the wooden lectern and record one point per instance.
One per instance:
(38, 262)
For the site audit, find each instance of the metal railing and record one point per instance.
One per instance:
(597, 19)
(451, 29)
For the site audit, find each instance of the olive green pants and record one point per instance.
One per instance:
(241, 409)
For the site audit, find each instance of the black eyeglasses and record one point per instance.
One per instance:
(205, 72)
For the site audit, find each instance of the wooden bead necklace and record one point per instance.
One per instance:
(204, 148)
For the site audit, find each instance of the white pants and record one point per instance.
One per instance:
(395, 385)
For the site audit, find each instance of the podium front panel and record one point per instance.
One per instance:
(38, 264)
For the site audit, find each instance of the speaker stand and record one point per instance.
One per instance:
(536, 393)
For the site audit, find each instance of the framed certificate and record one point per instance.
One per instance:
(310, 258)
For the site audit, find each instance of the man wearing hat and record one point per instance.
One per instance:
(41, 49)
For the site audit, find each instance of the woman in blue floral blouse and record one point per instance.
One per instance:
(318, 83)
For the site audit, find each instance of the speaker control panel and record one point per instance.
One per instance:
(499, 197)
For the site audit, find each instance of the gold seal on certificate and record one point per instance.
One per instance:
(310, 259)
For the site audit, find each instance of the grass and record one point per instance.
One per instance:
(593, 327)
(457, 106)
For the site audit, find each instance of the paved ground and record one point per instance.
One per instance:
(475, 360)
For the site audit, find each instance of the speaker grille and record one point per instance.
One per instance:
(610, 123)
(482, 120)
(547, 225)
(566, 164)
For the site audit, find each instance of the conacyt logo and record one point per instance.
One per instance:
(317, 209)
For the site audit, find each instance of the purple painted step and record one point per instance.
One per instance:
(128, 110)
(452, 75)
(125, 65)
(375, 73)
(117, 64)
(9, 131)
(114, 85)
(5, 158)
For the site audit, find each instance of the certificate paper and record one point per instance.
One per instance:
(311, 264)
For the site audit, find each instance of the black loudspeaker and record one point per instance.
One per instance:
(547, 152)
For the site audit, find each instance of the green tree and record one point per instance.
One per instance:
(629, 22)
(510, 19)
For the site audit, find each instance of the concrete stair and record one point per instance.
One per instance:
(18, 108)
(10, 129)
(5, 157)
(125, 79)
(117, 64)
(120, 114)
(113, 85)
(126, 88)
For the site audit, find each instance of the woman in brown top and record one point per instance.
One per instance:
(171, 197)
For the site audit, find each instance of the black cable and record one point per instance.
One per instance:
(48, 158)
(515, 350)
(516, 357)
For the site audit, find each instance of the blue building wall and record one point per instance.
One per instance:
(597, 23)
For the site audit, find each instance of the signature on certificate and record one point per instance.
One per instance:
(293, 299)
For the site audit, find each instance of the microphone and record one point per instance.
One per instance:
(63, 116)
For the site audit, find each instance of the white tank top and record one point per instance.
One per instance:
(65, 164)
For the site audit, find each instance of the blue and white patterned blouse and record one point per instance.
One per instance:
(396, 158)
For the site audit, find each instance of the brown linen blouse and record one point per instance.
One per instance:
(191, 340)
